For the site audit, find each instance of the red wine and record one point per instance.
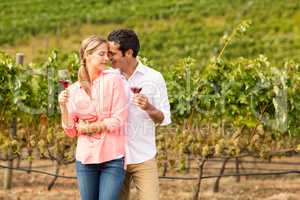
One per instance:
(136, 90)
(64, 83)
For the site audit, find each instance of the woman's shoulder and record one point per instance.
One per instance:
(111, 71)
(112, 74)
(74, 86)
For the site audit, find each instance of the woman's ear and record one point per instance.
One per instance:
(87, 58)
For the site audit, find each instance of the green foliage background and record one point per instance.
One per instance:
(220, 100)
(169, 30)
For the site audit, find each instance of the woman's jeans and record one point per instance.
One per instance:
(102, 181)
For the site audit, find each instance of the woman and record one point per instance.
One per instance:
(95, 110)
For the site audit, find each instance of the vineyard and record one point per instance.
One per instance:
(233, 90)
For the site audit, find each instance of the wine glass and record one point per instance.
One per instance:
(64, 83)
(136, 90)
(64, 77)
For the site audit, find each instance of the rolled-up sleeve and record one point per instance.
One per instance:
(119, 107)
(161, 101)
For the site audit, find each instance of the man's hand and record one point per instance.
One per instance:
(141, 101)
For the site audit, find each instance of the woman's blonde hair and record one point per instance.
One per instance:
(88, 46)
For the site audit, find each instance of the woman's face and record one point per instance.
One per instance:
(98, 59)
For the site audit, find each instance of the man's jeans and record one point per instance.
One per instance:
(100, 181)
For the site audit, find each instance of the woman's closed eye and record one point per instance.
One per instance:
(102, 53)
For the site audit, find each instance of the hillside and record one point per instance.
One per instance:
(169, 30)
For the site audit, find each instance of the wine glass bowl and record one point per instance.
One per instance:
(64, 78)
(64, 83)
(136, 90)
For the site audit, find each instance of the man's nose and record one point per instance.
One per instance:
(109, 55)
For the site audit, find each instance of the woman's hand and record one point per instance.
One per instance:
(90, 128)
(66, 118)
(82, 127)
(63, 98)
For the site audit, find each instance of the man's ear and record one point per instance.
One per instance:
(129, 53)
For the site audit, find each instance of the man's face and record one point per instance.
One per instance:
(117, 59)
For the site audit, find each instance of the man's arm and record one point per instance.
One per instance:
(159, 110)
(142, 101)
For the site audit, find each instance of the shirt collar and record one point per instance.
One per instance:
(140, 68)
(99, 77)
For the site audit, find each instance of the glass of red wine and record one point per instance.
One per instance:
(136, 90)
(64, 77)
(64, 83)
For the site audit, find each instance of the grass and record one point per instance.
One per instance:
(34, 186)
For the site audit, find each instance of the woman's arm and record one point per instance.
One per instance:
(67, 120)
(90, 128)
(119, 106)
(119, 112)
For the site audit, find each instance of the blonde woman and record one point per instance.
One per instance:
(94, 109)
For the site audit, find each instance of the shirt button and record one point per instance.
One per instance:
(91, 144)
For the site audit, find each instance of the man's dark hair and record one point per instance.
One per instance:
(127, 39)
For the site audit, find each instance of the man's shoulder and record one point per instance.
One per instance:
(151, 72)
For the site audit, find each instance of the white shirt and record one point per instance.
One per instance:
(140, 145)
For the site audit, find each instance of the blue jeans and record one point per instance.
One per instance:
(102, 181)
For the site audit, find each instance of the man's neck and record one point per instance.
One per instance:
(129, 70)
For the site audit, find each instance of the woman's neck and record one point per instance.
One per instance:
(94, 75)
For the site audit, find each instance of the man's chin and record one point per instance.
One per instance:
(114, 66)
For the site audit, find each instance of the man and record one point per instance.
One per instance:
(146, 109)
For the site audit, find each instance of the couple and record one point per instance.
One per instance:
(115, 126)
